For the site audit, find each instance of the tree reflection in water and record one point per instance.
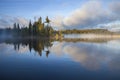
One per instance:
(38, 45)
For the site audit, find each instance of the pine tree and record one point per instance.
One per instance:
(18, 27)
(40, 20)
(47, 20)
(30, 28)
(14, 26)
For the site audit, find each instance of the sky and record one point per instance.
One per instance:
(64, 14)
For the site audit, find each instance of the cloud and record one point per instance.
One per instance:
(81, 55)
(115, 7)
(85, 15)
(90, 56)
(112, 26)
(57, 48)
(21, 20)
(91, 14)
(23, 49)
(6, 49)
(8, 21)
(57, 22)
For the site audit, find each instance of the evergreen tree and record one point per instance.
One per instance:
(14, 26)
(14, 32)
(18, 26)
(40, 20)
(36, 29)
(30, 28)
(47, 20)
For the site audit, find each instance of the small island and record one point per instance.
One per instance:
(44, 30)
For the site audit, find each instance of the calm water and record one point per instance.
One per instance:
(60, 60)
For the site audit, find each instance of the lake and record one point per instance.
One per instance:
(68, 59)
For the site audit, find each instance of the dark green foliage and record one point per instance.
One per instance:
(47, 20)
(15, 26)
(18, 26)
(30, 28)
(38, 28)
(87, 31)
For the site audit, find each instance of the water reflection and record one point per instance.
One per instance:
(77, 58)
(90, 54)
(38, 45)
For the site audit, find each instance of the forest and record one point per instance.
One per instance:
(37, 28)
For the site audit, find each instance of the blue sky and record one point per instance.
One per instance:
(28, 8)
(64, 10)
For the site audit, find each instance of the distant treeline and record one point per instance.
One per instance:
(87, 31)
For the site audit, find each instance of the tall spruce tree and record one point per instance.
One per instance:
(30, 28)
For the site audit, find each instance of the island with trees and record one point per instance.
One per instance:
(36, 29)
(40, 29)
